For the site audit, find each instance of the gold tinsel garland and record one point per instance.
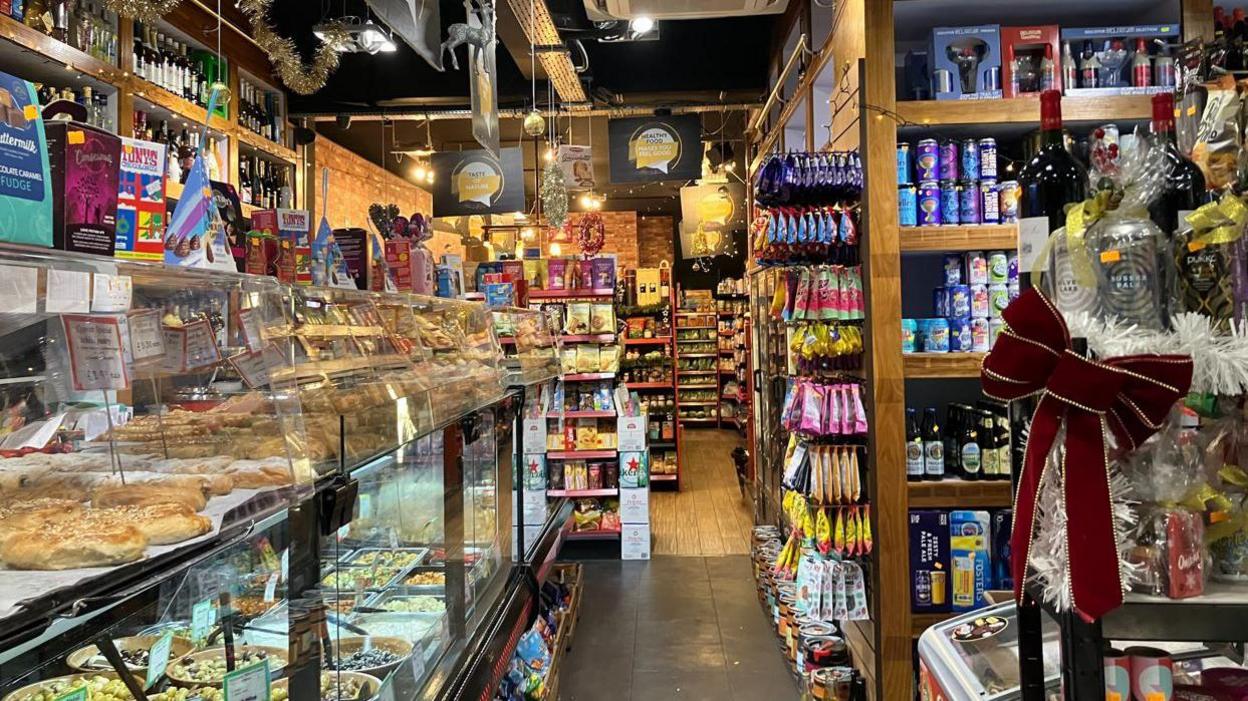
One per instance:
(304, 80)
(142, 10)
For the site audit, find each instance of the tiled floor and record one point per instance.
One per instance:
(684, 628)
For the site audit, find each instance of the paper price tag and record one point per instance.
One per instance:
(30, 112)
(248, 684)
(201, 621)
(418, 662)
(1113, 696)
(270, 587)
(75, 137)
(147, 338)
(286, 564)
(253, 367)
(249, 322)
(96, 360)
(69, 292)
(1111, 256)
(201, 345)
(1155, 696)
(19, 287)
(79, 694)
(158, 659)
(111, 293)
(174, 342)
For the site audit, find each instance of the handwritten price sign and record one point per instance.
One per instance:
(96, 360)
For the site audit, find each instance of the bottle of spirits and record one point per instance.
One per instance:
(953, 423)
(933, 446)
(1090, 71)
(1070, 72)
(989, 458)
(914, 447)
(1141, 66)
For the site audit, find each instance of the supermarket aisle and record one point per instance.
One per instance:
(708, 517)
(674, 628)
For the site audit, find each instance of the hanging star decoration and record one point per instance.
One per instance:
(142, 10)
(554, 194)
(591, 233)
(303, 79)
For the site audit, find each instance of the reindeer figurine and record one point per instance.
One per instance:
(460, 33)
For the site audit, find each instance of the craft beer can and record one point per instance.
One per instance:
(949, 160)
(968, 203)
(987, 159)
(953, 269)
(980, 330)
(1007, 195)
(989, 203)
(959, 301)
(970, 159)
(940, 301)
(907, 206)
(949, 202)
(960, 340)
(998, 267)
(976, 268)
(929, 203)
(903, 163)
(980, 306)
(927, 160)
(998, 299)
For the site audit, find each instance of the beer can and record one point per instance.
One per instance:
(989, 203)
(998, 299)
(979, 334)
(1013, 289)
(907, 206)
(940, 301)
(976, 268)
(995, 326)
(949, 160)
(927, 160)
(968, 203)
(959, 301)
(953, 269)
(903, 163)
(929, 203)
(1007, 195)
(998, 267)
(970, 159)
(1011, 264)
(980, 307)
(987, 159)
(909, 335)
(936, 335)
(960, 340)
(949, 202)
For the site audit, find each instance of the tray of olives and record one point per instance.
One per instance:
(335, 686)
(208, 667)
(375, 655)
(102, 686)
(133, 650)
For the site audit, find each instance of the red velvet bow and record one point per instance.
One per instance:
(1130, 395)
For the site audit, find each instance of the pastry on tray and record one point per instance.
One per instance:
(162, 524)
(71, 544)
(147, 494)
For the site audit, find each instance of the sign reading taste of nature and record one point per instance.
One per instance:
(475, 182)
(648, 149)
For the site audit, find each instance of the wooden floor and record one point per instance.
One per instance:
(708, 517)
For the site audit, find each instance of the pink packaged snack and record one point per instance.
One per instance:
(860, 415)
(790, 293)
(793, 406)
(826, 303)
(801, 304)
(856, 306)
(812, 409)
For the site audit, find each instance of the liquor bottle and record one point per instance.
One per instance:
(989, 458)
(136, 55)
(1048, 77)
(969, 449)
(1090, 72)
(914, 447)
(257, 183)
(1163, 69)
(1185, 184)
(33, 14)
(60, 20)
(1141, 66)
(1049, 181)
(244, 181)
(1001, 436)
(1070, 72)
(953, 420)
(933, 447)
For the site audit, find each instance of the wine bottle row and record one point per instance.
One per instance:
(89, 27)
(173, 65)
(973, 444)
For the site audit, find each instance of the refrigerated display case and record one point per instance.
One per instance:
(530, 344)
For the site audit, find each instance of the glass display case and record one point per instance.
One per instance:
(530, 340)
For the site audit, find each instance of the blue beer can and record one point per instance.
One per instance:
(960, 339)
(907, 206)
(949, 160)
(929, 203)
(989, 202)
(959, 304)
(968, 203)
(909, 335)
(936, 336)
(940, 301)
(903, 163)
(953, 269)
(948, 202)
(987, 159)
(970, 159)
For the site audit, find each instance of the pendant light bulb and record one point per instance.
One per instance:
(534, 123)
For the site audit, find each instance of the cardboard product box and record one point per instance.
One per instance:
(632, 432)
(535, 506)
(402, 264)
(230, 214)
(353, 243)
(635, 505)
(85, 165)
(970, 571)
(929, 561)
(141, 214)
(1002, 522)
(534, 440)
(26, 195)
(635, 542)
(1031, 60)
(533, 469)
(634, 469)
(966, 62)
(1115, 49)
(293, 228)
(450, 277)
(513, 271)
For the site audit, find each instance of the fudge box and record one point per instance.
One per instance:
(26, 193)
(85, 163)
(929, 561)
(966, 62)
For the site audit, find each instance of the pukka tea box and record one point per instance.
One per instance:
(141, 213)
(292, 228)
(85, 170)
(929, 561)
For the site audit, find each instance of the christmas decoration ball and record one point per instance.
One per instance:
(534, 124)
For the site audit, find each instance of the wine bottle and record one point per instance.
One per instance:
(953, 422)
(1051, 180)
(933, 447)
(914, 447)
(1185, 185)
(1047, 80)
(969, 449)
(988, 457)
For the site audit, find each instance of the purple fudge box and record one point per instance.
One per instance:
(85, 165)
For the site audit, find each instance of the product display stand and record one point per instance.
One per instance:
(697, 381)
(649, 364)
(733, 363)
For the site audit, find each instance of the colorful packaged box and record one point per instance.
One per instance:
(1031, 61)
(1114, 48)
(634, 505)
(969, 558)
(141, 213)
(513, 271)
(584, 275)
(500, 294)
(603, 273)
(293, 228)
(929, 561)
(26, 196)
(966, 62)
(556, 274)
(401, 262)
(84, 163)
(354, 245)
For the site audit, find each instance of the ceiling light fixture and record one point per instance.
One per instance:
(641, 24)
(364, 36)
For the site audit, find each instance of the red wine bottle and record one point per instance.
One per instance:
(1185, 186)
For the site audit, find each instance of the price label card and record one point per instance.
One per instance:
(69, 292)
(174, 342)
(286, 564)
(248, 684)
(158, 659)
(111, 293)
(201, 621)
(79, 694)
(249, 322)
(270, 587)
(1033, 237)
(253, 367)
(96, 360)
(418, 662)
(19, 289)
(201, 345)
(147, 338)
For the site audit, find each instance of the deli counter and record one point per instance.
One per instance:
(212, 483)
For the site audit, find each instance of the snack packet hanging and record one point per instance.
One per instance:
(851, 531)
(823, 532)
(838, 534)
(812, 409)
(860, 414)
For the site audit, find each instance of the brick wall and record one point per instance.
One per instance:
(620, 239)
(654, 240)
(355, 183)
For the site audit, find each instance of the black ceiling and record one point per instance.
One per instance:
(690, 56)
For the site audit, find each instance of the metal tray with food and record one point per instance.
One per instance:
(208, 667)
(413, 627)
(375, 655)
(347, 579)
(335, 686)
(388, 557)
(423, 580)
(401, 601)
(100, 685)
(134, 651)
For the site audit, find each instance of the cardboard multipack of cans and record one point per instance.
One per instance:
(955, 556)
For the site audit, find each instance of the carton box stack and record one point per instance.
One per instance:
(634, 487)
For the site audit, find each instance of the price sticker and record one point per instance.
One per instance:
(79, 694)
(111, 293)
(1156, 696)
(69, 292)
(270, 587)
(76, 137)
(147, 338)
(201, 345)
(1111, 256)
(418, 662)
(30, 112)
(1194, 246)
(19, 287)
(95, 352)
(248, 684)
(158, 659)
(286, 564)
(201, 621)
(253, 367)
(1113, 696)
(249, 322)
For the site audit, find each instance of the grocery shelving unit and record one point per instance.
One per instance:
(658, 390)
(733, 360)
(697, 362)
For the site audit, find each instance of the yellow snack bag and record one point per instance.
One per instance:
(838, 536)
(823, 532)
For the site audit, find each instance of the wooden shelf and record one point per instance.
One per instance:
(648, 341)
(589, 376)
(576, 493)
(941, 365)
(580, 454)
(920, 622)
(956, 493)
(59, 52)
(939, 239)
(158, 96)
(565, 294)
(582, 415)
(648, 385)
(1023, 110)
(269, 148)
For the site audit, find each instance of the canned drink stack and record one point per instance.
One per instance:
(929, 203)
(970, 159)
(907, 205)
(949, 160)
(949, 203)
(989, 203)
(927, 160)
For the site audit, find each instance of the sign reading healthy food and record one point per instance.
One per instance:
(25, 172)
(196, 237)
(477, 182)
(651, 149)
